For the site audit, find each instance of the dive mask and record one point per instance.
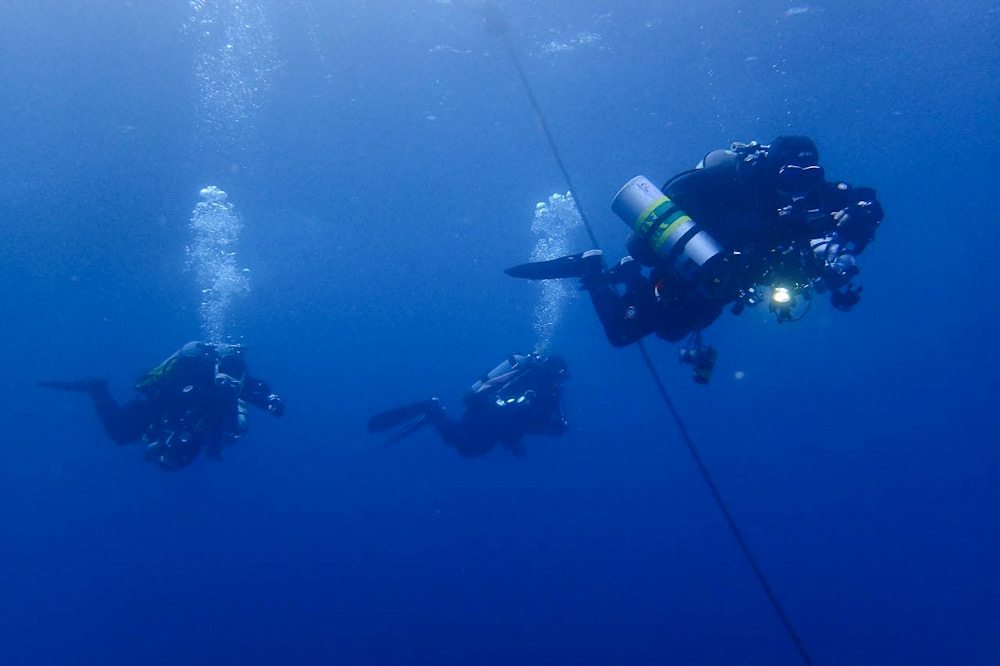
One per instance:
(798, 180)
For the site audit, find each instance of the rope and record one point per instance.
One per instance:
(721, 503)
(497, 25)
(505, 36)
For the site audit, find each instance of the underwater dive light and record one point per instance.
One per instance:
(790, 303)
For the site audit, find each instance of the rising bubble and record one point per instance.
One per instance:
(555, 221)
(215, 230)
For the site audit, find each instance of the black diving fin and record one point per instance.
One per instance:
(406, 431)
(570, 266)
(82, 385)
(394, 417)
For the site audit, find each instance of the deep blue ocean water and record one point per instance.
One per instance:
(385, 162)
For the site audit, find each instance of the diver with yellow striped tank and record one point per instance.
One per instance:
(745, 224)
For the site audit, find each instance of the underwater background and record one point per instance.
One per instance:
(382, 165)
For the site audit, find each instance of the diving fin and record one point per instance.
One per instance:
(393, 417)
(82, 385)
(570, 266)
(408, 430)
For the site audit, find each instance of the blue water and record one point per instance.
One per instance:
(385, 162)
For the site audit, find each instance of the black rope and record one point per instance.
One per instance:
(496, 24)
(548, 134)
(721, 503)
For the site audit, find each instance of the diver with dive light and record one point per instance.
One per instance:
(749, 224)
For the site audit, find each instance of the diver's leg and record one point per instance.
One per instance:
(123, 423)
(437, 417)
(684, 314)
(625, 318)
(461, 435)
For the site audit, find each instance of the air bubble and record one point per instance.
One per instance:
(555, 222)
(216, 227)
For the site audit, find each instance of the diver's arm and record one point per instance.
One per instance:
(545, 414)
(846, 298)
(856, 214)
(258, 394)
(836, 270)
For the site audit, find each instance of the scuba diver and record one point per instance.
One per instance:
(747, 224)
(521, 396)
(194, 401)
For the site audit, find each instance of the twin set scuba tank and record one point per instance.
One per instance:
(498, 382)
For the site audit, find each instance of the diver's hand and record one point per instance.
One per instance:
(857, 222)
(275, 405)
(846, 299)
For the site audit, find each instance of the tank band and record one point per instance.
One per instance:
(676, 219)
(654, 211)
